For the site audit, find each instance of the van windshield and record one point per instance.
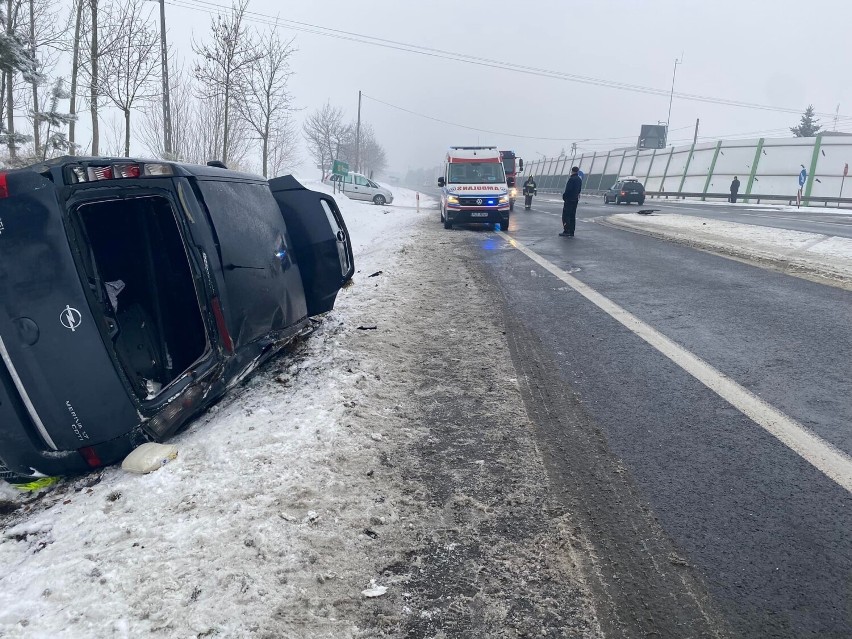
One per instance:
(476, 173)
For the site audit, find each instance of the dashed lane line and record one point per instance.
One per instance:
(829, 460)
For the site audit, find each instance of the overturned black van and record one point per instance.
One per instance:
(133, 294)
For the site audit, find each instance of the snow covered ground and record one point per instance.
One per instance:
(753, 206)
(402, 198)
(260, 527)
(810, 254)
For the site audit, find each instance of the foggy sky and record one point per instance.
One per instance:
(775, 52)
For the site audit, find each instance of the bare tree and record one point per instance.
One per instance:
(100, 44)
(133, 63)
(112, 138)
(181, 102)
(283, 150)
(94, 82)
(325, 132)
(75, 69)
(264, 101)
(196, 125)
(373, 157)
(224, 62)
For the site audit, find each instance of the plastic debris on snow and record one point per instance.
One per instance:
(374, 590)
(149, 457)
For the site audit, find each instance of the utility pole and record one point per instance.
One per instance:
(671, 97)
(358, 138)
(695, 139)
(836, 115)
(167, 112)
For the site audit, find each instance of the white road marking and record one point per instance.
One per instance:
(828, 459)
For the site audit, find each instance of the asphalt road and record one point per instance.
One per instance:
(701, 522)
(826, 221)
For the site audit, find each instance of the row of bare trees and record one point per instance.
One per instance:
(232, 103)
(330, 137)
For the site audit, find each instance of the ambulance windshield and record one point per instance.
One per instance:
(476, 173)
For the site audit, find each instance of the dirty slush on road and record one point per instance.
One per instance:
(483, 550)
(526, 524)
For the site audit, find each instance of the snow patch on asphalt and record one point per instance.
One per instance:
(823, 256)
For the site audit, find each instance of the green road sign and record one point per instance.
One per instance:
(339, 168)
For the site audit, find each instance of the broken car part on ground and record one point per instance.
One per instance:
(133, 294)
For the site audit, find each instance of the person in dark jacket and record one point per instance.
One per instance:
(571, 197)
(735, 188)
(529, 191)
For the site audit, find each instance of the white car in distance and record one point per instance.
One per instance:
(360, 187)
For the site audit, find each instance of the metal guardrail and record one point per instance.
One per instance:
(752, 198)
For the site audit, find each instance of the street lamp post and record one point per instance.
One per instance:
(671, 96)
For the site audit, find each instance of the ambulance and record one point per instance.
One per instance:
(474, 188)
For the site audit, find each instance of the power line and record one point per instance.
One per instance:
(501, 133)
(207, 7)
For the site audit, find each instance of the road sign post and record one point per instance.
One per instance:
(340, 169)
(803, 177)
(842, 180)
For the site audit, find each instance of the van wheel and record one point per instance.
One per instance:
(447, 224)
(442, 214)
(617, 200)
(504, 226)
(379, 200)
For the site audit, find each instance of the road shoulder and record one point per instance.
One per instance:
(822, 258)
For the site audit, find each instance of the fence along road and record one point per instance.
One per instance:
(768, 167)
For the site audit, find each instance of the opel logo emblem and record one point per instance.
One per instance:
(71, 318)
(479, 201)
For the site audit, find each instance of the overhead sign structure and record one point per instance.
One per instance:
(652, 136)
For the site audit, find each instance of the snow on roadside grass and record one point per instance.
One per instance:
(256, 528)
(754, 206)
(377, 225)
(824, 255)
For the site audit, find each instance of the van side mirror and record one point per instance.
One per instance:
(510, 181)
(441, 182)
(520, 165)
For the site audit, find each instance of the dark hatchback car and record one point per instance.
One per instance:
(626, 191)
(133, 294)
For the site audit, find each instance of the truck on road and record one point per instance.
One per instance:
(512, 166)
